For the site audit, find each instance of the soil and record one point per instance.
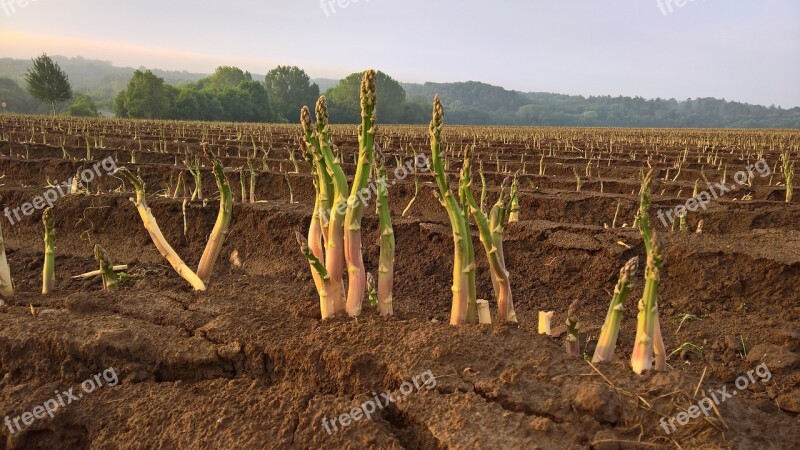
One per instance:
(249, 364)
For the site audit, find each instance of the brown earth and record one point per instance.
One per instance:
(249, 363)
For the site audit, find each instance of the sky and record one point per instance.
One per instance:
(746, 51)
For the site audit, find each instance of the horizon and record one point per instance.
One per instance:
(643, 49)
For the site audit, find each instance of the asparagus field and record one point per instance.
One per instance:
(216, 285)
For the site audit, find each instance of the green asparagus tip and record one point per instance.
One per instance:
(322, 112)
(305, 119)
(573, 309)
(629, 269)
(656, 257)
(368, 96)
(647, 183)
(47, 218)
(437, 122)
(301, 240)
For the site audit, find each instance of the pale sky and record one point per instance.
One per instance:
(743, 50)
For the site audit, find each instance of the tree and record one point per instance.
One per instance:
(119, 105)
(186, 106)
(345, 101)
(247, 103)
(47, 82)
(146, 97)
(289, 88)
(224, 77)
(83, 106)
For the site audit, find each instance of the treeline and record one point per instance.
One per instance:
(474, 103)
(230, 94)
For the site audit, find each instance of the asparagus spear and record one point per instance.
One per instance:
(610, 331)
(110, 282)
(513, 215)
(220, 230)
(463, 190)
(500, 277)
(573, 330)
(357, 275)
(458, 314)
(386, 259)
(642, 358)
(152, 228)
(321, 278)
(49, 272)
(331, 219)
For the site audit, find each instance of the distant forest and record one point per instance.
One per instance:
(231, 94)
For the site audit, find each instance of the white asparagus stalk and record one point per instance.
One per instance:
(157, 237)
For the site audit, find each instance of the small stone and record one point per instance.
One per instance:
(774, 356)
(733, 343)
(542, 424)
(789, 401)
(791, 337)
(229, 351)
(597, 401)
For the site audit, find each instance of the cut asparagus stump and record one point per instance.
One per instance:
(49, 272)
(545, 319)
(484, 314)
(610, 331)
(110, 283)
(157, 237)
